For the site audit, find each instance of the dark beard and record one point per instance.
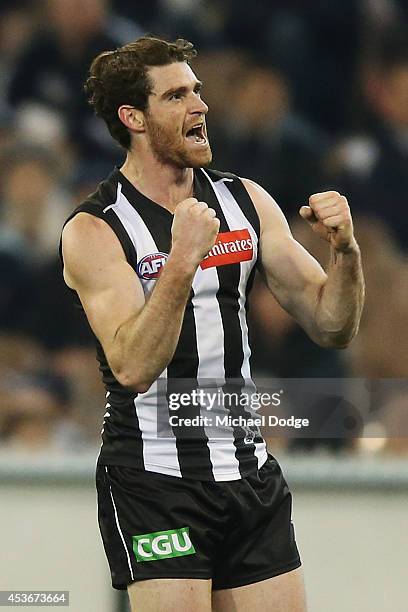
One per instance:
(166, 152)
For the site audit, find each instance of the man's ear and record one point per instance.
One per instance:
(132, 118)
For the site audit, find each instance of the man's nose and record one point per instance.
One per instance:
(199, 106)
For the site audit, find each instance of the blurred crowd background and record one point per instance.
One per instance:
(303, 97)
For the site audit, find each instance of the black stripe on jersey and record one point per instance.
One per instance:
(122, 438)
(193, 453)
(229, 277)
(250, 282)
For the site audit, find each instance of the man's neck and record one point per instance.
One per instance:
(164, 184)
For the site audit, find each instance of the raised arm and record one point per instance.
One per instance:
(327, 305)
(139, 337)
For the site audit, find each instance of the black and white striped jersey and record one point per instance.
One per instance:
(213, 344)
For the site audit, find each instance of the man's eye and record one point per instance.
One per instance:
(176, 96)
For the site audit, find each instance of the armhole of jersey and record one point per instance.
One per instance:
(114, 223)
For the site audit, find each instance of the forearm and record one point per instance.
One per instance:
(145, 344)
(341, 299)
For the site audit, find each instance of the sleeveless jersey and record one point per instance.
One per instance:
(213, 344)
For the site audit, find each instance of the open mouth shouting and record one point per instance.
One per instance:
(197, 134)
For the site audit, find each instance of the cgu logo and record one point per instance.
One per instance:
(150, 266)
(163, 545)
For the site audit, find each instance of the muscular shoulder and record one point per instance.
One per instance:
(87, 232)
(84, 222)
(270, 214)
(88, 245)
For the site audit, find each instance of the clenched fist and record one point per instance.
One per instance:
(194, 230)
(329, 215)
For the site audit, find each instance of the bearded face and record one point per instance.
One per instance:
(179, 145)
(175, 118)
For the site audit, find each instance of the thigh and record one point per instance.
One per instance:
(284, 593)
(170, 595)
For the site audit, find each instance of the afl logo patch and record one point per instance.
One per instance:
(150, 266)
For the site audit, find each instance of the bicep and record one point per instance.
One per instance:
(96, 268)
(292, 275)
(110, 304)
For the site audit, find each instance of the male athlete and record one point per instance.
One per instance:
(162, 258)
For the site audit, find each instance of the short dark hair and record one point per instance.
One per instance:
(120, 77)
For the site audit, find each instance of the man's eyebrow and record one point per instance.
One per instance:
(182, 90)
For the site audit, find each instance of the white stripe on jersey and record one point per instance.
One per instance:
(207, 315)
(156, 451)
(210, 347)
